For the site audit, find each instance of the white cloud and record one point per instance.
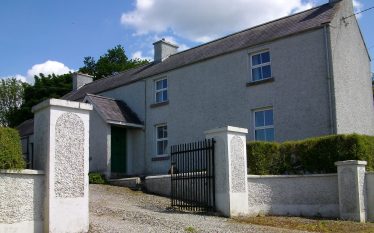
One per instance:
(17, 76)
(139, 55)
(171, 39)
(48, 67)
(21, 78)
(202, 21)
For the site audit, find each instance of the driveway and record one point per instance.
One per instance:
(118, 209)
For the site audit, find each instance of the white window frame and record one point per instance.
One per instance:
(161, 139)
(262, 127)
(161, 90)
(260, 65)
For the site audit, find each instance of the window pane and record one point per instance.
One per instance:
(265, 57)
(269, 134)
(160, 132)
(165, 132)
(158, 97)
(256, 59)
(266, 71)
(256, 74)
(160, 148)
(159, 85)
(269, 117)
(165, 95)
(165, 83)
(260, 135)
(165, 147)
(259, 119)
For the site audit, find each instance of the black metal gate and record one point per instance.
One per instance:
(192, 176)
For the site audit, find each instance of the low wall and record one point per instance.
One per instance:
(21, 201)
(370, 195)
(132, 183)
(159, 185)
(305, 195)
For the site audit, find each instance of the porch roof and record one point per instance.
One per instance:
(114, 111)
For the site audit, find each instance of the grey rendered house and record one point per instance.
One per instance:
(300, 76)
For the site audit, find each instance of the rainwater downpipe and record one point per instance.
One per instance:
(329, 80)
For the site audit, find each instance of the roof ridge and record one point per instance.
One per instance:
(100, 96)
(248, 29)
(302, 21)
(114, 75)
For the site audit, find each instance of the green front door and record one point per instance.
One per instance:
(118, 148)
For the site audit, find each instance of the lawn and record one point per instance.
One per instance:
(309, 224)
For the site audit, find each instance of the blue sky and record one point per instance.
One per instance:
(53, 36)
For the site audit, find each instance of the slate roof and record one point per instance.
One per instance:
(113, 111)
(290, 25)
(26, 128)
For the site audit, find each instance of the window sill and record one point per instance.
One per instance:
(253, 83)
(159, 104)
(161, 158)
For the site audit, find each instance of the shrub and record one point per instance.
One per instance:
(314, 155)
(10, 149)
(96, 178)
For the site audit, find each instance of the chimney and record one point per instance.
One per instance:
(163, 49)
(79, 80)
(346, 7)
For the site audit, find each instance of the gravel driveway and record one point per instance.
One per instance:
(118, 209)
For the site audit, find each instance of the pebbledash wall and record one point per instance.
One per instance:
(54, 200)
(21, 205)
(348, 195)
(306, 195)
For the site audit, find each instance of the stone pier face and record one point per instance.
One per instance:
(231, 186)
(352, 190)
(62, 130)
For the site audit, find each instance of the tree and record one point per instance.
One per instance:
(45, 87)
(115, 60)
(89, 66)
(11, 98)
(56, 86)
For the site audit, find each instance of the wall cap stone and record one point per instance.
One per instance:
(351, 162)
(61, 103)
(23, 172)
(228, 129)
(157, 177)
(291, 176)
(124, 179)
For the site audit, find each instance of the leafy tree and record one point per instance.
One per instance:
(89, 66)
(56, 86)
(11, 98)
(45, 87)
(115, 60)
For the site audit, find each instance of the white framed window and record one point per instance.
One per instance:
(161, 139)
(260, 66)
(161, 90)
(264, 125)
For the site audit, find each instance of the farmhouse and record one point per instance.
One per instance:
(300, 76)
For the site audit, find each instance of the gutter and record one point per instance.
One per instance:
(330, 81)
(111, 122)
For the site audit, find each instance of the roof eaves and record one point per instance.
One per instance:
(121, 123)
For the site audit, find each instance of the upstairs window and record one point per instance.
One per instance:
(264, 125)
(260, 66)
(161, 140)
(161, 90)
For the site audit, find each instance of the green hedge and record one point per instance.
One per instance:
(10, 149)
(314, 155)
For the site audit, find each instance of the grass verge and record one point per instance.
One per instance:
(309, 224)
